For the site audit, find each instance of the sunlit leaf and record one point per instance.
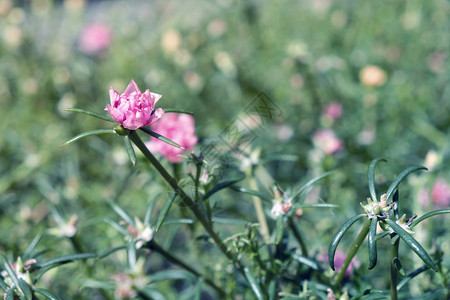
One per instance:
(400, 178)
(412, 243)
(308, 184)
(371, 177)
(306, 261)
(89, 133)
(428, 215)
(160, 137)
(338, 237)
(253, 284)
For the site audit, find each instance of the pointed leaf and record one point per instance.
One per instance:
(91, 113)
(165, 211)
(130, 150)
(131, 253)
(430, 214)
(371, 177)
(160, 137)
(88, 133)
(10, 271)
(117, 227)
(46, 294)
(412, 275)
(398, 265)
(122, 213)
(306, 261)
(148, 212)
(316, 205)
(26, 255)
(221, 186)
(178, 111)
(25, 288)
(252, 192)
(372, 244)
(308, 184)
(412, 243)
(111, 251)
(66, 259)
(400, 178)
(253, 284)
(229, 221)
(338, 237)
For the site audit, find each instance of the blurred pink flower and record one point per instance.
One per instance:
(339, 259)
(326, 140)
(179, 128)
(440, 194)
(95, 38)
(333, 111)
(133, 109)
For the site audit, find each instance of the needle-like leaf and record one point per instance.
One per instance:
(371, 177)
(372, 244)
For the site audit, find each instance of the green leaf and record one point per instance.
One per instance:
(131, 253)
(46, 294)
(25, 288)
(178, 111)
(372, 244)
(160, 137)
(171, 275)
(371, 176)
(221, 186)
(400, 178)
(26, 255)
(279, 230)
(306, 261)
(10, 295)
(111, 251)
(3, 285)
(229, 221)
(412, 243)
(91, 114)
(411, 275)
(252, 192)
(165, 211)
(338, 237)
(130, 150)
(430, 214)
(148, 212)
(308, 184)
(316, 205)
(10, 271)
(66, 259)
(398, 265)
(253, 284)
(117, 227)
(88, 133)
(122, 213)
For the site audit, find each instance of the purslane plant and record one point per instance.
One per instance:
(383, 211)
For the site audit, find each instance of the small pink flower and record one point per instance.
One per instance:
(95, 38)
(179, 128)
(440, 194)
(339, 259)
(133, 109)
(326, 140)
(333, 111)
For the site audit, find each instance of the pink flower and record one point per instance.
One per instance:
(339, 259)
(333, 111)
(179, 128)
(440, 194)
(134, 109)
(95, 38)
(326, 140)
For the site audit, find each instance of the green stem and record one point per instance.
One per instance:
(356, 244)
(184, 197)
(264, 229)
(155, 247)
(394, 272)
(298, 236)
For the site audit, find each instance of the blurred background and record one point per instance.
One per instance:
(351, 81)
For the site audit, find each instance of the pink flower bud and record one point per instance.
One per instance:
(179, 128)
(440, 194)
(133, 109)
(333, 111)
(327, 141)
